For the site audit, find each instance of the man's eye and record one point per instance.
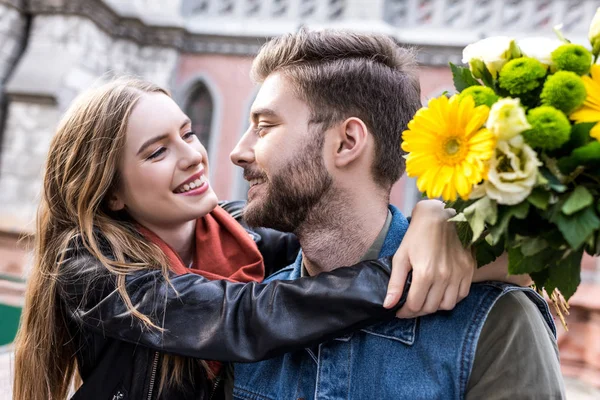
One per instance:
(157, 153)
(261, 129)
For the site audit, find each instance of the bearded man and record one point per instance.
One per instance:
(321, 155)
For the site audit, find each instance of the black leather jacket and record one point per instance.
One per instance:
(118, 358)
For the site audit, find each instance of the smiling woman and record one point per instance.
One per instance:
(138, 274)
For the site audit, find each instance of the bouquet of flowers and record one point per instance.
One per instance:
(517, 153)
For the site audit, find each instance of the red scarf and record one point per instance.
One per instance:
(224, 250)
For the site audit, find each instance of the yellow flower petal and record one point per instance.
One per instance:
(585, 115)
(448, 148)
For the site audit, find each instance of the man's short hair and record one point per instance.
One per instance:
(347, 74)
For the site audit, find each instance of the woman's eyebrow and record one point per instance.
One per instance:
(155, 139)
(151, 141)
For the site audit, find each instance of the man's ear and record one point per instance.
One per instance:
(352, 137)
(115, 201)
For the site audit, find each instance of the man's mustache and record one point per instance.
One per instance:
(254, 174)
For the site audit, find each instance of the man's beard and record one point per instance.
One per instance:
(293, 193)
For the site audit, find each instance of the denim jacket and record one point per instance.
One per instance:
(422, 358)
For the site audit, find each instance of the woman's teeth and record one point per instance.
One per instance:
(192, 185)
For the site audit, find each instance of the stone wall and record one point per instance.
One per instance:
(13, 26)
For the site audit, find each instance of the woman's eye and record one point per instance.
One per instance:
(189, 135)
(156, 154)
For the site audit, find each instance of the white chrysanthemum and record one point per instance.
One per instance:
(507, 119)
(594, 32)
(513, 172)
(494, 52)
(540, 48)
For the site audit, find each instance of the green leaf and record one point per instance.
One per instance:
(533, 245)
(464, 232)
(580, 136)
(519, 264)
(565, 274)
(540, 278)
(486, 77)
(540, 198)
(578, 227)
(486, 253)
(588, 156)
(593, 245)
(479, 213)
(553, 181)
(459, 204)
(463, 78)
(577, 201)
(505, 214)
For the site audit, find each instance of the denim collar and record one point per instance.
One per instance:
(401, 330)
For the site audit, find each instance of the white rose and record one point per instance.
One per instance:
(494, 52)
(513, 172)
(594, 33)
(540, 48)
(507, 119)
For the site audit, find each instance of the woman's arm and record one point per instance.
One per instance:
(221, 320)
(498, 271)
(442, 268)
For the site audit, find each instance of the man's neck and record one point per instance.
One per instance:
(341, 234)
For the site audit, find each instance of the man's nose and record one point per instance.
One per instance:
(243, 153)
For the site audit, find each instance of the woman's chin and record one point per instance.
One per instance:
(208, 203)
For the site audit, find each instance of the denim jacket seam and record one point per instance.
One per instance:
(469, 344)
(350, 354)
(408, 342)
(317, 380)
(406, 337)
(252, 394)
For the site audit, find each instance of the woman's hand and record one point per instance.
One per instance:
(442, 268)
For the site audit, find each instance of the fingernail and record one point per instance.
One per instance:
(388, 300)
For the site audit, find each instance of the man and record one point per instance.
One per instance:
(321, 156)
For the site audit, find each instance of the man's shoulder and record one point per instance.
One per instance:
(516, 311)
(517, 351)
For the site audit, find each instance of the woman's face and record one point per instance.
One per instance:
(164, 167)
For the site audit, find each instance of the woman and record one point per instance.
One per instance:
(129, 241)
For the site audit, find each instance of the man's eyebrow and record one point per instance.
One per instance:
(158, 138)
(267, 112)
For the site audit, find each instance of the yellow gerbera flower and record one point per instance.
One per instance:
(448, 148)
(590, 111)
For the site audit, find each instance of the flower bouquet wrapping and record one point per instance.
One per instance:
(517, 153)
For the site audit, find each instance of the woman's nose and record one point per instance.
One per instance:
(190, 156)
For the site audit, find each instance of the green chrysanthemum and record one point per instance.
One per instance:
(550, 128)
(482, 95)
(521, 75)
(572, 57)
(564, 90)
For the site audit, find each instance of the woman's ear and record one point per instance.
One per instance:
(115, 202)
(352, 137)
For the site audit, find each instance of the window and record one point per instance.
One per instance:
(199, 107)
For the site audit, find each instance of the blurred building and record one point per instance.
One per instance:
(50, 50)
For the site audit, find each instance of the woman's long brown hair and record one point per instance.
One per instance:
(81, 170)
